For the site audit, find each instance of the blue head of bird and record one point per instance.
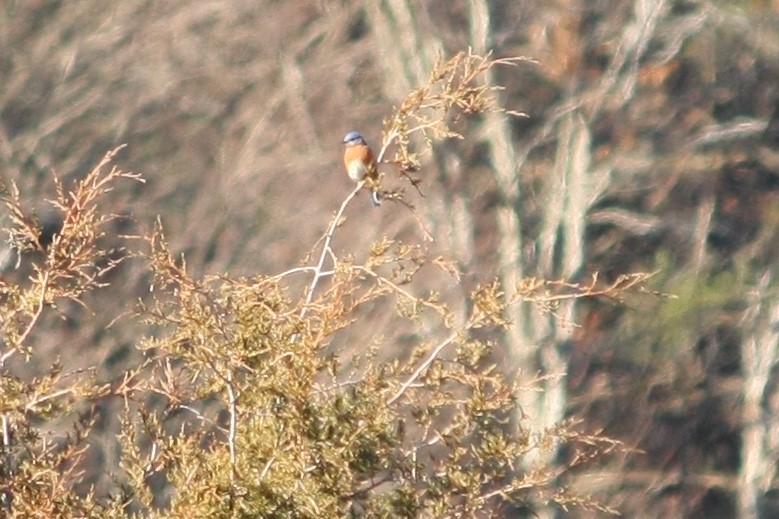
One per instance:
(353, 138)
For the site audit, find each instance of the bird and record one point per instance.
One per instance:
(361, 164)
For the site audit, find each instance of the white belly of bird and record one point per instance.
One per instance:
(357, 170)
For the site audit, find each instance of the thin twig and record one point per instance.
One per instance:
(298, 270)
(33, 320)
(29, 406)
(422, 367)
(231, 438)
(397, 289)
(319, 273)
(6, 498)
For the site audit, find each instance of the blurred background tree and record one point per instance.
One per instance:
(650, 143)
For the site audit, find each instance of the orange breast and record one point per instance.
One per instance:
(359, 162)
(358, 152)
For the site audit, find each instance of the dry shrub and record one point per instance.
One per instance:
(261, 415)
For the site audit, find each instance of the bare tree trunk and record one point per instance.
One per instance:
(760, 413)
(534, 342)
(409, 49)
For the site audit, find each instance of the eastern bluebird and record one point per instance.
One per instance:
(360, 163)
